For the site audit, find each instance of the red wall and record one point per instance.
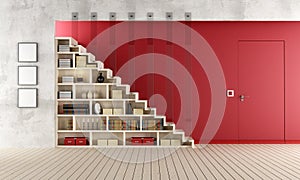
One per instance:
(223, 37)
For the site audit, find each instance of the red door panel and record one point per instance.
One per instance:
(261, 82)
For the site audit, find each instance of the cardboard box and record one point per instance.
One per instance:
(69, 141)
(116, 94)
(118, 111)
(81, 141)
(136, 141)
(81, 61)
(138, 111)
(112, 142)
(107, 111)
(175, 142)
(165, 142)
(102, 142)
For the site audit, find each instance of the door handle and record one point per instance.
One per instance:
(242, 97)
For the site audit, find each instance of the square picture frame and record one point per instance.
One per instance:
(27, 52)
(27, 75)
(27, 98)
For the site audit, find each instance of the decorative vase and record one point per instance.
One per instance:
(100, 78)
(89, 95)
(97, 108)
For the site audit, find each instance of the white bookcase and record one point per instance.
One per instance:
(75, 115)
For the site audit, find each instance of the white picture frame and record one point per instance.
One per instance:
(27, 75)
(27, 52)
(27, 97)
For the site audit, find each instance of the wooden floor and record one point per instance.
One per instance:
(263, 161)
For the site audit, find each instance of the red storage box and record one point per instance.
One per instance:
(69, 141)
(81, 141)
(148, 141)
(136, 141)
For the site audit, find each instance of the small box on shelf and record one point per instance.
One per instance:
(175, 142)
(118, 111)
(107, 111)
(116, 94)
(138, 111)
(136, 140)
(81, 61)
(112, 142)
(148, 140)
(69, 141)
(165, 142)
(81, 141)
(102, 142)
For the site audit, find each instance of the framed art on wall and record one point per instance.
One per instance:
(27, 75)
(27, 97)
(27, 52)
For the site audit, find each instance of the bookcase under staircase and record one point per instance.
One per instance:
(122, 119)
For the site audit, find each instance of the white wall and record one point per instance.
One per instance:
(33, 20)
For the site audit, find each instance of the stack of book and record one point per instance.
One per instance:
(115, 124)
(64, 63)
(65, 94)
(152, 124)
(130, 125)
(75, 109)
(63, 48)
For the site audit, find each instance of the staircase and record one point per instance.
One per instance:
(168, 130)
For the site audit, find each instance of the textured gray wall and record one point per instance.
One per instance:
(33, 20)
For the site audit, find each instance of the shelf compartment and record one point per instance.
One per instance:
(130, 123)
(151, 123)
(91, 123)
(140, 134)
(65, 123)
(98, 92)
(169, 137)
(62, 135)
(116, 107)
(80, 75)
(107, 136)
(107, 79)
(73, 108)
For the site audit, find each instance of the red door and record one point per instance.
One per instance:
(261, 90)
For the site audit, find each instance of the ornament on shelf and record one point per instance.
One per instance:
(97, 108)
(89, 95)
(100, 78)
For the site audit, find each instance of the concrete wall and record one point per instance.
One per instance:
(33, 20)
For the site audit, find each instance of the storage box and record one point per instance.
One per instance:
(118, 111)
(81, 61)
(67, 79)
(81, 141)
(112, 142)
(148, 141)
(102, 142)
(136, 141)
(69, 141)
(65, 94)
(107, 111)
(116, 94)
(175, 142)
(165, 142)
(138, 111)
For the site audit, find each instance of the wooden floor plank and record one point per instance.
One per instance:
(59, 165)
(235, 163)
(100, 166)
(124, 165)
(138, 171)
(192, 164)
(147, 165)
(219, 161)
(114, 169)
(155, 174)
(32, 167)
(177, 163)
(86, 172)
(131, 165)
